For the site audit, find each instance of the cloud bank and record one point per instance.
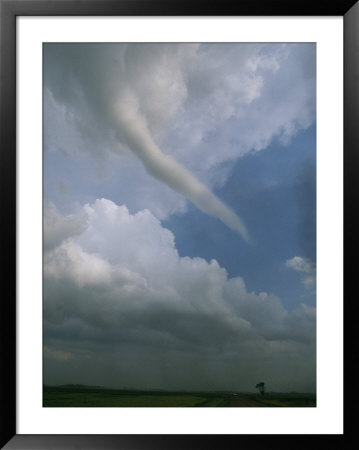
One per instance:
(122, 308)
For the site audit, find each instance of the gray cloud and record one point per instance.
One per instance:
(118, 105)
(118, 296)
(148, 366)
(185, 95)
(58, 227)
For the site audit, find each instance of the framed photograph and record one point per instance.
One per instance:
(174, 179)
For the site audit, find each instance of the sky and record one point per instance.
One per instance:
(180, 215)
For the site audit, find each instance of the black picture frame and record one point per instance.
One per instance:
(9, 10)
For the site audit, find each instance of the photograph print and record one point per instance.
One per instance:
(179, 224)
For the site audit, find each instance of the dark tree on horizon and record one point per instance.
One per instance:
(261, 387)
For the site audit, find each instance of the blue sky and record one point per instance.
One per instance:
(278, 205)
(180, 215)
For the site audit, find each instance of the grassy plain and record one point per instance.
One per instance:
(96, 396)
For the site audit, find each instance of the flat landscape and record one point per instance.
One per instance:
(97, 396)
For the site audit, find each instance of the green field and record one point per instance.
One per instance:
(92, 396)
(278, 399)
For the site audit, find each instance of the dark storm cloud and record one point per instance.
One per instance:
(134, 297)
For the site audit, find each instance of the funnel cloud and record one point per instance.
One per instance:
(166, 169)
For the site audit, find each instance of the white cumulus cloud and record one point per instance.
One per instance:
(305, 266)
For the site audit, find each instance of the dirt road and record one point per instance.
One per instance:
(244, 402)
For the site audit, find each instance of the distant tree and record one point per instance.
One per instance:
(261, 386)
